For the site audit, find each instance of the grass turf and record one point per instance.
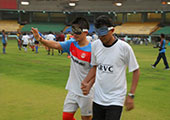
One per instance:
(32, 85)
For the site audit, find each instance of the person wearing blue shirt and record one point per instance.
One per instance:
(37, 43)
(162, 53)
(4, 41)
(19, 40)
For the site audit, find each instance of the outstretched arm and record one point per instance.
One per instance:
(48, 43)
(88, 82)
(129, 102)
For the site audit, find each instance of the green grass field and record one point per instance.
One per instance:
(32, 86)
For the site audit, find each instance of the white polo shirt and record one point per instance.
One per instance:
(25, 39)
(50, 37)
(110, 85)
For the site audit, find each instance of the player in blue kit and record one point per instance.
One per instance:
(4, 41)
(161, 54)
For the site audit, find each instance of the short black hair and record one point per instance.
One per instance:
(50, 32)
(162, 35)
(81, 22)
(103, 20)
(24, 33)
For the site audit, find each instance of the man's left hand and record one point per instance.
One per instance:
(129, 103)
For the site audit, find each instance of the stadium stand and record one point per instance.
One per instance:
(165, 30)
(9, 25)
(44, 27)
(137, 28)
(134, 17)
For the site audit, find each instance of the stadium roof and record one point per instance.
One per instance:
(95, 6)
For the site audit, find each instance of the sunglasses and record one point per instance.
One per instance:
(78, 31)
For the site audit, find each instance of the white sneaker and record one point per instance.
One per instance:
(153, 66)
(167, 69)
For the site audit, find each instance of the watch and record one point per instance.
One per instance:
(131, 95)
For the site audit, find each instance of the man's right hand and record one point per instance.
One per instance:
(36, 34)
(85, 88)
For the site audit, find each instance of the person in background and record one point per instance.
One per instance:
(19, 40)
(162, 53)
(4, 41)
(45, 37)
(94, 36)
(89, 38)
(61, 39)
(50, 36)
(37, 42)
(25, 41)
(31, 42)
(68, 37)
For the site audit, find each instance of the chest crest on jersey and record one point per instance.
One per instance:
(80, 54)
(83, 55)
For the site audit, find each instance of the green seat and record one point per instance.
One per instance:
(164, 30)
(44, 27)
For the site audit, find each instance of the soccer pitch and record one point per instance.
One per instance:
(32, 86)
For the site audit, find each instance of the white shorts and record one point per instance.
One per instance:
(73, 102)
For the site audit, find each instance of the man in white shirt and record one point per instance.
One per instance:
(50, 36)
(110, 58)
(25, 39)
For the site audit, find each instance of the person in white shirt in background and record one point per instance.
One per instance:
(45, 37)
(110, 58)
(31, 42)
(25, 39)
(50, 36)
(89, 37)
(94, 37)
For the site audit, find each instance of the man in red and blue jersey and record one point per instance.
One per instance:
(79, 49)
